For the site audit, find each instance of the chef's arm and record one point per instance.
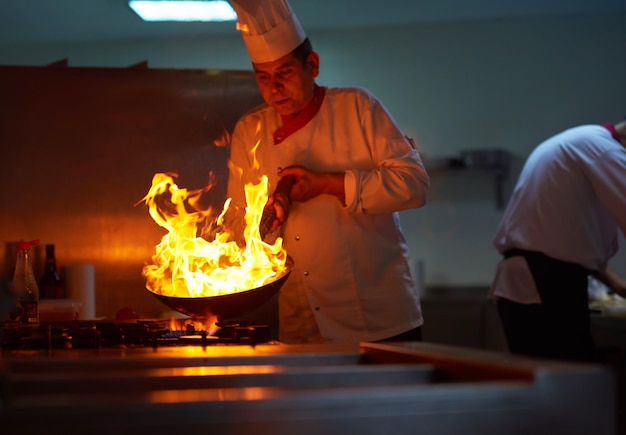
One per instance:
(612, 280)
(310, 184)
(298, 184)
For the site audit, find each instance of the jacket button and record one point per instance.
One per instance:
(297, 238)
(306, 273)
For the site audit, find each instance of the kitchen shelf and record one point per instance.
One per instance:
(492, 162)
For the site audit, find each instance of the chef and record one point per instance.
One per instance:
(560, 226)
(354, 169)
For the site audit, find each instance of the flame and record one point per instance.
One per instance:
(242, 27)
(202, 255)
(196, 324)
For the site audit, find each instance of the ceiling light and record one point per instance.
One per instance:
(190, 10)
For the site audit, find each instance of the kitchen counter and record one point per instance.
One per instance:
(609, 331)
(273, 388)
(462, 316)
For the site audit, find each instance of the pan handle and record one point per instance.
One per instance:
(269, 215)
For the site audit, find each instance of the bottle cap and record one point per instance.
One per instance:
(24, 245)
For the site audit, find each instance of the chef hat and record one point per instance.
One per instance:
(269, 28)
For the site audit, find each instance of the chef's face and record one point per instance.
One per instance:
(287, 83)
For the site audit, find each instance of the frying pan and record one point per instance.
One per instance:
(230, 305)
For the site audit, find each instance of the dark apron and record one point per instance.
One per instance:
(559, 327)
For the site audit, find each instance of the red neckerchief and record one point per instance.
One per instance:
(293, 123)
(610, 127)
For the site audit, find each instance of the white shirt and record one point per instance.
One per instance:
(351, 269)
(568, 203)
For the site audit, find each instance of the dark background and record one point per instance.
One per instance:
(79, 149)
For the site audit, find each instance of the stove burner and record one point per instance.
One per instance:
(81, 334)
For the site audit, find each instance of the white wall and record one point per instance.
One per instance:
(491, 84)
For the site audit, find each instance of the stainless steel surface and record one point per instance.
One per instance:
(310, 389)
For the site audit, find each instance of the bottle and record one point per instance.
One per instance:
(25, 286)
(51, 286)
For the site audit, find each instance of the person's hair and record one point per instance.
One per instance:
(302, 51)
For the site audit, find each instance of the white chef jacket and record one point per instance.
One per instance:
(568, 203)
(351, 272)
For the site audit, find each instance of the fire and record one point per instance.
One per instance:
(196, 324)
(201, 255)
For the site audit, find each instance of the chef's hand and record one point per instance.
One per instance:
(613, 281)
(620, 288)
(309, 184)
(277, 206)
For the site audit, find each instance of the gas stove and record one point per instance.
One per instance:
(140, 333)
